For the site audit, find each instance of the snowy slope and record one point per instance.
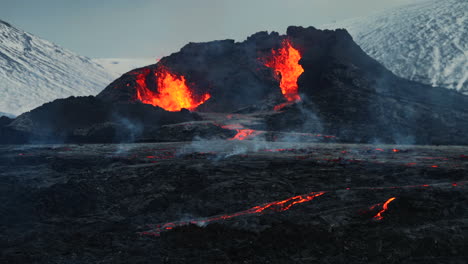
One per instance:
(120, 66)
(34, 71)
(426, 41)
(6, 114)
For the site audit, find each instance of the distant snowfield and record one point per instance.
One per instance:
(426, 41)
(34, 71)
(7, 115)
(120, 66)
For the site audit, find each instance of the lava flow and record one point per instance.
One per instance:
(285, 62)
(379, 216)
(242, 133)
(172, 93)
(278, 206)
(286, 204)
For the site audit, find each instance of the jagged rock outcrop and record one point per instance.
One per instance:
(89, 120)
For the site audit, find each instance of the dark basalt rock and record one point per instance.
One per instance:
(4, 120)
(87, 204)
(229, 71)
(90, 120)
(345, 92)
(357, 99)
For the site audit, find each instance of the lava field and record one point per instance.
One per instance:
(293, 148)
(232, 201)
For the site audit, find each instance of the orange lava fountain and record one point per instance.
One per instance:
(173, 93)
(285, 62)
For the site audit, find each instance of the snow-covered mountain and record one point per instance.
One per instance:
(426, 41)
(34, 71)
(120, 66)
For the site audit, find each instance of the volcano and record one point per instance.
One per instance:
(241, 152)
(306, 83)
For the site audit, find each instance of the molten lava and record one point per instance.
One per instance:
(379, 216)
(243, 134)
(286, 204)
(172, 93)
(285, 62)
(277, 206)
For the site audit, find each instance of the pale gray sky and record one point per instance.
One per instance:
(154, 28)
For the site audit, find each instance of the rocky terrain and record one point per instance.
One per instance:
(196, 202)
(88, 120)
(245, 176)
(343, 93)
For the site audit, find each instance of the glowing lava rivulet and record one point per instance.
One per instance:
(285, 62)
(277, 206)
(247, 134)
(173, 92)
(243, 134)
(286, 204)
(379, 216)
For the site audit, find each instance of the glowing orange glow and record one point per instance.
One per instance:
(173, 93)
(379, 216)
(283, 205)
(285, 62)
(243, 134)
(278, 206)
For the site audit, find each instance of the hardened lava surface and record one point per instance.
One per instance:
(233, 202)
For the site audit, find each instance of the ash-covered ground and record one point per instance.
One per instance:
(233, 202)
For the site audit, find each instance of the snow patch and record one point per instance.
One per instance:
(426, 41)
(34, 71)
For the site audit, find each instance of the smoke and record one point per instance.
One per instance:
(129, 131)
(224, 149)
(380, 110)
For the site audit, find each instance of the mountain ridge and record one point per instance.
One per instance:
(422, 41)
(34, 71)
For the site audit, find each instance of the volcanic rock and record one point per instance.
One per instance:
(90, 120)
(92, 203)
(4, 120)
(229, 71)
(344, 92)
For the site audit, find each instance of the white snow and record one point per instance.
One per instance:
(34, 71)
(426, 41)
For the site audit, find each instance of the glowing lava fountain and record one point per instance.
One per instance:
(285, 62)
(173, 92)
